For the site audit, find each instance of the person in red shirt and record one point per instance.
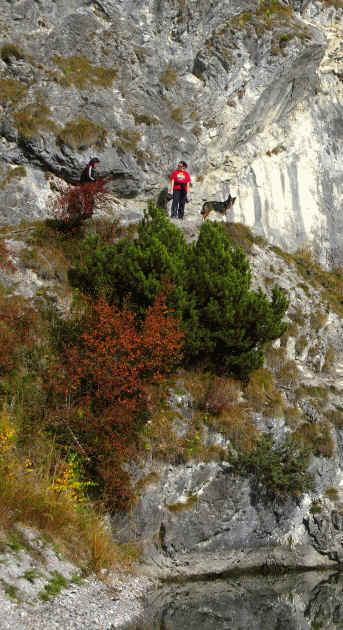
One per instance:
(179, 188)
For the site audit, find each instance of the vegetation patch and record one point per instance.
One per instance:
(128, 140)
(34, 118)
(12, 92)
(315, 437)
(54, 586)
(209, 290)
(11, 590)
(181, 506)
(261, 393)
(332, 494)
(168, 78)
(177, 115)
(240, 235)
(80, 72)
(11, 51)
(82, 133)
(144, 119)
(18, 172)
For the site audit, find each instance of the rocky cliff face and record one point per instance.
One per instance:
(249, 94)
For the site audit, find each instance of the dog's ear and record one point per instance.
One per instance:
(233, 199)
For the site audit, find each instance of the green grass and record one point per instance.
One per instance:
(54, 586)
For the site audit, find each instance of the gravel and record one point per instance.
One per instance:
(92, 604)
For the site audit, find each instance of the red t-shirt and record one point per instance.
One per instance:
(180, 177)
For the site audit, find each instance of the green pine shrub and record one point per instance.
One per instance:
(225, 322)
(277, 471)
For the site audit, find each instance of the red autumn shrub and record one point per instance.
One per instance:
(105, 380)
(74, 204)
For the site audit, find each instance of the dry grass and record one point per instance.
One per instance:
(29, 495)
(168, 78)
(177, 115)
(80, 72)
(235, 425)
(25, 497)
(82, 133)
(11, 51)
(288, 374)
(316, 437)
(49, 263)
(12, 92)
(262, 395)
(18, 172)
(33, 119)
(275, 358)
(128, 140)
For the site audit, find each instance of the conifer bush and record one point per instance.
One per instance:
(225, 322)
(276, 471)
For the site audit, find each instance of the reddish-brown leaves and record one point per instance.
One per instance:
(77, 203)
(106, 377)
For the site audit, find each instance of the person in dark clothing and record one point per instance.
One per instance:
(88, 174)
(179, 187)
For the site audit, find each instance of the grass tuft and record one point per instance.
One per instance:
(82, 133)
(80, 72)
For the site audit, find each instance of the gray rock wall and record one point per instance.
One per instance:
(251, 97)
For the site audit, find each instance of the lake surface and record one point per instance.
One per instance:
(297, 601)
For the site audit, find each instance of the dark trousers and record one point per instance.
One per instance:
(178, 205)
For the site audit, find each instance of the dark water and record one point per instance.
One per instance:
(302, 601)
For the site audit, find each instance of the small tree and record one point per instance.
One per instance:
(230, 322)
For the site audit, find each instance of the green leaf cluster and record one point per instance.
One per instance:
(225, 322)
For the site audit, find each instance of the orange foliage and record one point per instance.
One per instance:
(106, 379)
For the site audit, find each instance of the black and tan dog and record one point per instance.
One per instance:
(217, 206)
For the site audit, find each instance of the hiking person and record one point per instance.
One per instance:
(179, 188)
(88, 174)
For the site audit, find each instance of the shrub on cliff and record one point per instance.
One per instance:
(225, 322)
(75, 204)
(277, 471)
